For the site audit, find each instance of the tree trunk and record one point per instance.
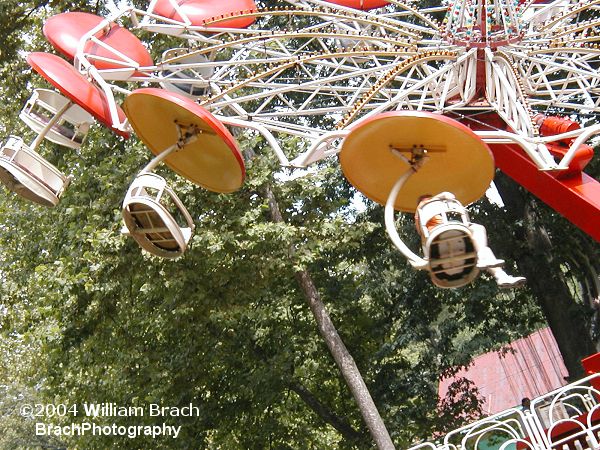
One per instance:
(563, 314)
(337, 348)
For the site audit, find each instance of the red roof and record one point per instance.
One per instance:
(532, 367)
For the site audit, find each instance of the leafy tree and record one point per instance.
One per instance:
(85, 316)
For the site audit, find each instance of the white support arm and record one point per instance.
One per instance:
(263, 131)
(414, 260)
(589, 132)
(534, 150)
(183, 140)
(318, 150)
(57, 116)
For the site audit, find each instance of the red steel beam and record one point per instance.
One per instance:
(576, 197)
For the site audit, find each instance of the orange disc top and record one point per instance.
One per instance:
(64, 31)
(76, 87)
(212, 161)
(360, 4)
(458, 160)
(199, 12)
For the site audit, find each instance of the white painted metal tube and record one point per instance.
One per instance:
(390, 226)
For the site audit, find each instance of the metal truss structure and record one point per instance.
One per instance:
(314, 69)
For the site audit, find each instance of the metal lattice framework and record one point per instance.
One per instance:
(313, 68)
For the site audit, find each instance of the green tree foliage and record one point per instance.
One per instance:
(85, 316)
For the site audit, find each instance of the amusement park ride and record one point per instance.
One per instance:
(421, 103)
(415, 99)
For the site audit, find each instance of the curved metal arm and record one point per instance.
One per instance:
(232, 121)
(318, 150)
(584, 136)
(182, 141)
(416, 261)
(538, 153)
(42, 134)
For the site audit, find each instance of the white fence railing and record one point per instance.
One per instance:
(564, 419)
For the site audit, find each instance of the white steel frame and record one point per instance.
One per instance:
(313, 67)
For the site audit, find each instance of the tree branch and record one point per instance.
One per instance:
(328, 416)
